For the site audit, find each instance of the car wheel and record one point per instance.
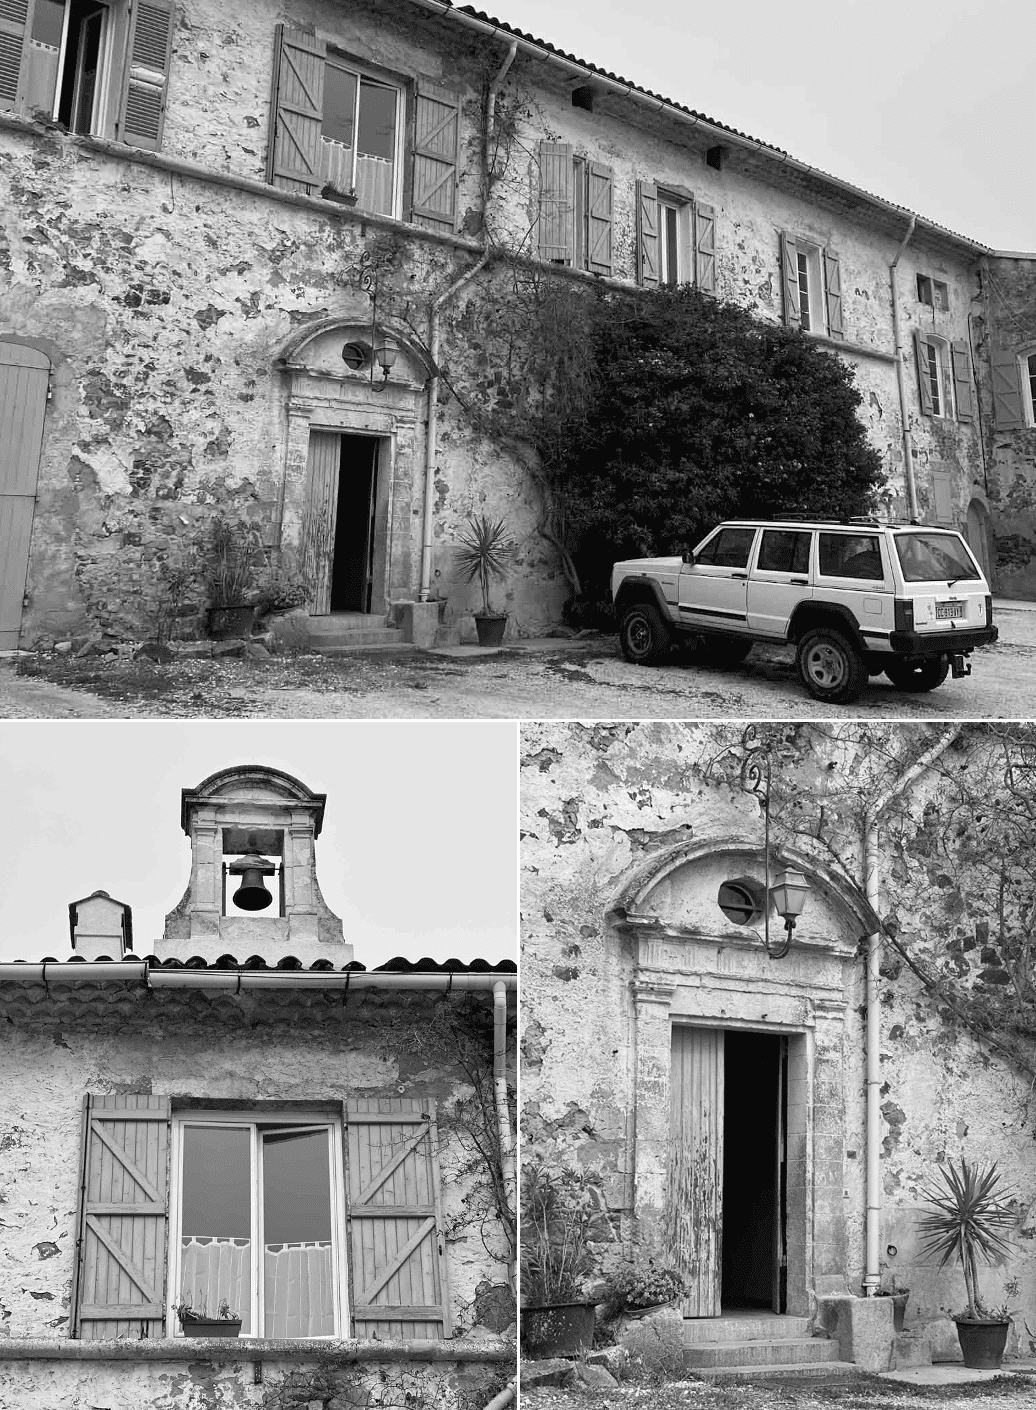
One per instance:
(643, 636)
(926, 675)
(721, 651)
(830, 667)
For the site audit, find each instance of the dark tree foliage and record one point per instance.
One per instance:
(698, 411)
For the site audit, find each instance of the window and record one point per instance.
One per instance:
(676, 238)
(359, 137)
(575, 209)
(337, 127)
(62, 59)
(740, 901)
(933, 293)
(936, 382)
(1029, 380)
(851, 556)
(932, 558)
(256, 1217)
(812, 283)
(727, 549)
(784, 551)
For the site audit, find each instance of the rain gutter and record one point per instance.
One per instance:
(872, 1278)
(908, 445)
(237, 980)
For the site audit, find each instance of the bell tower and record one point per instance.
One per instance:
(253, 887)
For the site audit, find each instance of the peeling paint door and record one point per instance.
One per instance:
(24, 378)
(695, 1193)
(341, 514)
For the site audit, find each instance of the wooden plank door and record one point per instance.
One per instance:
(695, 1175)
(120, 1275)
(395, 1220)
(24, 379)
(323, 464)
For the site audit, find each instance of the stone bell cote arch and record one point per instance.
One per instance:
(736, 1052)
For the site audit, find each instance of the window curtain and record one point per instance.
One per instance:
(212, 1270)
(298, 1290)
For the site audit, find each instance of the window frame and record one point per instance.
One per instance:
(102, 119)
(680, 209)
(928, 293)
(1027, 374)
(306, 1118)
(336, 58)
(808, 262)
(943, 385)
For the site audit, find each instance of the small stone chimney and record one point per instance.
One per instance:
(101, 929)
(257, 826)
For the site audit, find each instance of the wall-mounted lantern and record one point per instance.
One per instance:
(385, 358)
(790, 889)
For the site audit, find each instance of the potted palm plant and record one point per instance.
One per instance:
(485, 552)
(195, 1322)
(966, 1220)
(559, 1209)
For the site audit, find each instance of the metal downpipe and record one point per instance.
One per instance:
(908, 445)
(503, 1114)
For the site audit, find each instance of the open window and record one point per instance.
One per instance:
(676, 238)
(812, 286)
(63, 60)
(361, 127)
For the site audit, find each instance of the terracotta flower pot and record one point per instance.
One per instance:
(563, 1329)
(490, 629)
(982, 1343)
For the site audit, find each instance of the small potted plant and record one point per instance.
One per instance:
(194, 1321)
(559, 1210)
(234, 559)
(900, 1297)
(280, 589)
(641, 1286)
(966, 1219)
(485, 553)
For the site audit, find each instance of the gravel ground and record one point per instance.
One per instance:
(863, 1393)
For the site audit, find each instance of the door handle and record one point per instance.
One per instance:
(799, 582)
(739, 575)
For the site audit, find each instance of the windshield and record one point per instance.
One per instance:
(935, 558)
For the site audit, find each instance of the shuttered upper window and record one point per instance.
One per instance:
(64, 60)
(360, 129)
(676, 238)
(251, 1209)
(811, 278)
(945, 383)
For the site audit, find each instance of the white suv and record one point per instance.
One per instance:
(855, 598)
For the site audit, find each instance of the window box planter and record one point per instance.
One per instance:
(211, 1326)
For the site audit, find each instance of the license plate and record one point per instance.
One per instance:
(948, 611)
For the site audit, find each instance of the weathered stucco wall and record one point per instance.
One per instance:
(623, 823)
(292, 1048)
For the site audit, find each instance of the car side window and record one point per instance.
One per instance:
(729, 549)
(784, 551)
(851, 556)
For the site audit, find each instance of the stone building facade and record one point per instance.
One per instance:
(720, 1100)
(249, 1115)
(217, 230)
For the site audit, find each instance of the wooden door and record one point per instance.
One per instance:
(695, 1193)
(780, 1187)
(395, 1220)
(24, 378)
(325, 456)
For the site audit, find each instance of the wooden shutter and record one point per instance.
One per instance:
(705, 248)
(790, 281)
(436, 151)
(1008, 411)
(963, 386)
(647, 234)
(24, 379)
(694, 1201)
(146, 80)
(296, 112)
(14, 26)
(121, 1239)
(925, 387)
(556, 203)
(395, 1220)
(942, 497)
(833, 291)
(599, 218)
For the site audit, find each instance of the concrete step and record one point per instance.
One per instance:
(783, 1352)
(334, 622)
(329, 644)
(835, 1372)
(731, 1327)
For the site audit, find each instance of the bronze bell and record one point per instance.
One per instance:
(252, 894)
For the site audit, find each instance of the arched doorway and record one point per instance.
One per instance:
(24, 381)
(976, 530)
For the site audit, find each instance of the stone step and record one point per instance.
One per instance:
(834, 1372)
(332, 643)
(331, 623)
(731, 1327)
(801, 1351)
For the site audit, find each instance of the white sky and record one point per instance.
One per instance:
(418, 852)
(930, 105)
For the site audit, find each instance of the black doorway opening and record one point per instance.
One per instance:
(754, 1270)
(352, 567)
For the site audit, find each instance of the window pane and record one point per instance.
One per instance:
(47, 19)
(670, 250)
(804, 292)
(377, 120)
(733, 548)
(1031, 368)
(297, 1235)
(339, 105)
(930, 558)
(784, 551)
(215, 1261)
(850, 556)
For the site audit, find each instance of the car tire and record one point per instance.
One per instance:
(643, 635)
(830, 667)
(927, 675)
(721, 651)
